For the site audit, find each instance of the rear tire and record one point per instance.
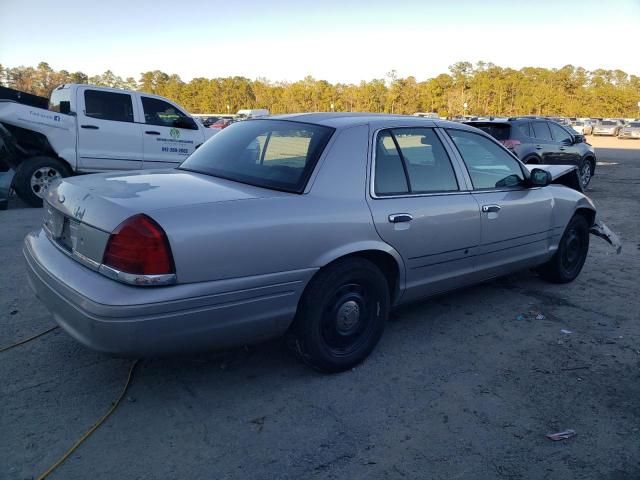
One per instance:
(35, 175)
(341, 316)
(567, 262)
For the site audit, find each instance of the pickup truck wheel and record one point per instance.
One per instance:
(341, 316)
(567, 262)
(34, 177)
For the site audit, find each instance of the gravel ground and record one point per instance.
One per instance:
(459, 387)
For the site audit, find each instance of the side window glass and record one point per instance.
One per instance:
(541, 131)
(488, 164)
(559, 133)
(390, 178)
(426, 161)
(159, 112)
(108, 105)
(525, 128)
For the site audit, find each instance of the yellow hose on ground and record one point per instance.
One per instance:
(92, 429)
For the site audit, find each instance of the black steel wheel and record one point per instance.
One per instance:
(341, 315)
(567, 262)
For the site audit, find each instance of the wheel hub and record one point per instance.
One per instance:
(348, 317)
(42, 179)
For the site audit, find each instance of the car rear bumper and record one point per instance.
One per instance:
(605, 133)
(149, 321)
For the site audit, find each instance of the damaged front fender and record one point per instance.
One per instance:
(599, 229)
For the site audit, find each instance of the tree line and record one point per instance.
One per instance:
(485, 89)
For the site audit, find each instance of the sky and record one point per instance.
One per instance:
(335, 40)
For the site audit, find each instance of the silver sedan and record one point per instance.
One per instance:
(310, 225)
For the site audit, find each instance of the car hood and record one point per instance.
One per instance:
(104, 200)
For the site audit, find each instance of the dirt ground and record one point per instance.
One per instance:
(464, 386)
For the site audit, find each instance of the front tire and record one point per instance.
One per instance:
(586, 172)
(341, 316)
(567, 262)
(35, 175)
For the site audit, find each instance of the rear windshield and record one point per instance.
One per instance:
(635, 124)
(274, 154)
(499, 131)
(607, 122)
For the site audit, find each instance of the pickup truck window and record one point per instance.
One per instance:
(274, 154)
(158, 112)
(108, 105)
(57, 96)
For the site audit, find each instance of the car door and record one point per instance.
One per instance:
(169, 134)
(108, 136)
(568, 152)
(544, 144)
(516, 220)
(421, 207)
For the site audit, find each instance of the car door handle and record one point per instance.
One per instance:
(90, 127)
(152, 132)
(491, 208)
(562, 149)
(400, 217)
(538, 147)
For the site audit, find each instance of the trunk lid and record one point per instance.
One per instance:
(104, 200)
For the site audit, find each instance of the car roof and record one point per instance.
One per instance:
(350, 119)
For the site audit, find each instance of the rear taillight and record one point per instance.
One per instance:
(139, 246)
(511, 143)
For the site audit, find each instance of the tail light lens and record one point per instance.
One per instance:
(139, 246)
(511, 143)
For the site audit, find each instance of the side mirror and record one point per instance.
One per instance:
(539, 178)
(579, 138)
(185, 122)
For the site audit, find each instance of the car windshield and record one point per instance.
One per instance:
(635, 124)
(276, 154)
(607, 122)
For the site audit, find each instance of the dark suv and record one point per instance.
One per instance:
(540, 140)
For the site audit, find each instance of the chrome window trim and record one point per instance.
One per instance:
(461, 181)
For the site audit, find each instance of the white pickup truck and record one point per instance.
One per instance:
(96, 129)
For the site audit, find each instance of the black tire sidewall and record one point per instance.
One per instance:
(562, 275)
(22, 179)
(307, 328)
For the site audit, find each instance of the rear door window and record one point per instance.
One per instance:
(412, 161)
(525, 129)
(108, 105)
(390, 175)
(541, 131)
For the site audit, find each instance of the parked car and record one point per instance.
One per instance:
(608, 127)
(539, 140)
(93, 129)
(582, 127)
(222, 123)
(313, 225)
(631, 130)
(252, 113)
(208, 121)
